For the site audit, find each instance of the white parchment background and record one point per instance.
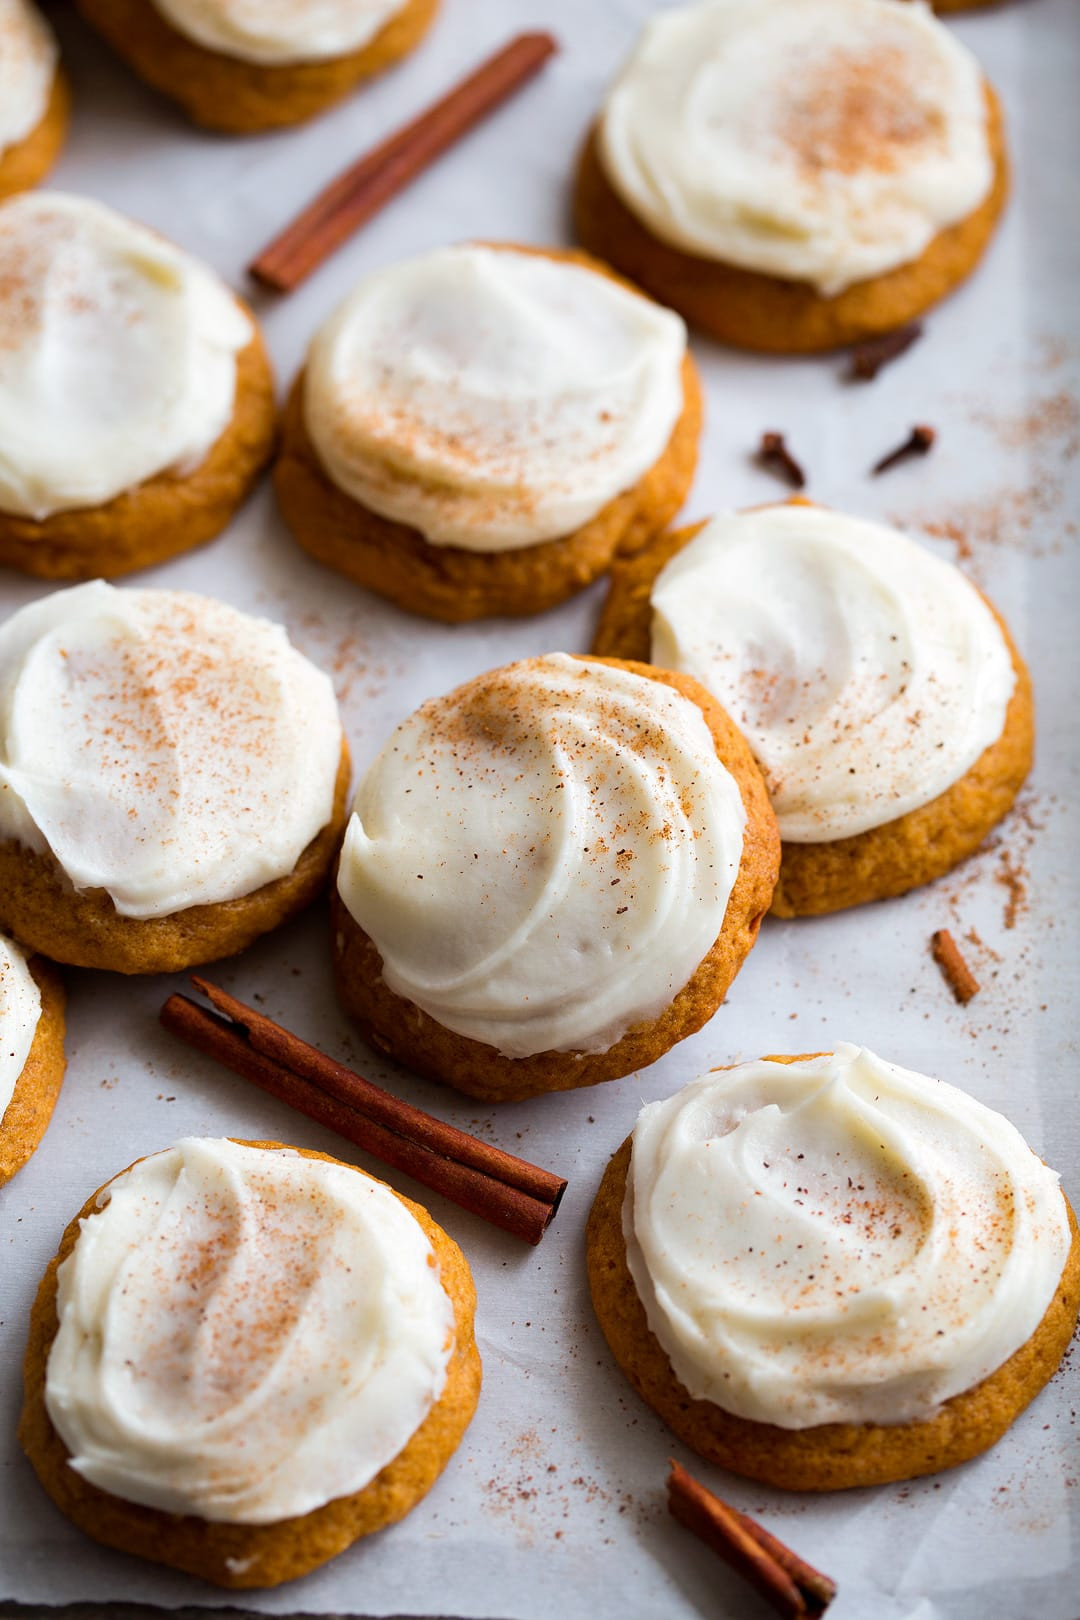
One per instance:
(554, 1504)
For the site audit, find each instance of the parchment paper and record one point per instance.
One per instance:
(554, 1504)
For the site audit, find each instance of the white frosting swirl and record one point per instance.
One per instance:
(245, 1334)
(838, 1240)
(162, 746)
(20, 1011)
(544, 857)
(867, 674)
(117, 355)
(277, 32)
(28, 59)
(492, 398)
(822, 141)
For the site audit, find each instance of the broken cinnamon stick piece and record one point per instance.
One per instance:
(512, 1194)
(918, 442)
(793, 1587)
(958, 976)
(369, 183)
(876, 353)
(774, 454)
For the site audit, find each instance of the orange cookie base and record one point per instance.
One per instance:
(166, 515)
(82, 927)
(453, 584)
(885, 861)
(27, 1116)
(238, 1555)
(26, 163)
(754, 311)
(242, 98)
(829, 1456)
(407, 1034)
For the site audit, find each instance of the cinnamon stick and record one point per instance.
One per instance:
(512, 1194)
(793, 1587)
(370, 183)
(876, 353)
(949, 958)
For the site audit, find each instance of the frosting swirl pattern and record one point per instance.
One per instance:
(867, 674)
(277, 32)
(117, 355)
(837, 1240)
(544, 857)
(28, 59)
(821, 141)
(162, 746)
(245, 1334)
(20, 1011)
(492, 398)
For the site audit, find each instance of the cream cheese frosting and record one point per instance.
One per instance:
(838, 1240)
(492, 398)
(28, 60)
(819, 141)
(279, 32)
(866, 674)
(162, 746)
(117, 355)
(20, 1012)
(544, 857)
(244, 1334)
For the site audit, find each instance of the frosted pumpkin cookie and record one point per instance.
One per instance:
(173, 778)
(479, 430)
(882, 695)
(31, 1053)
(551, 876)
(247, 65)
(34, 97)
(136, 398)
(829, 1271)
(244, 1357)
(792, 175)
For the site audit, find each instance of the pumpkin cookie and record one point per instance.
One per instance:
(34, 97)
(287, 1348)
(794, 175)
(478, 431)
(135, 413)
(31, 1053)
(825, 1272)
(882, 695)
(551, 876)
(173, 778)
(242, 66)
